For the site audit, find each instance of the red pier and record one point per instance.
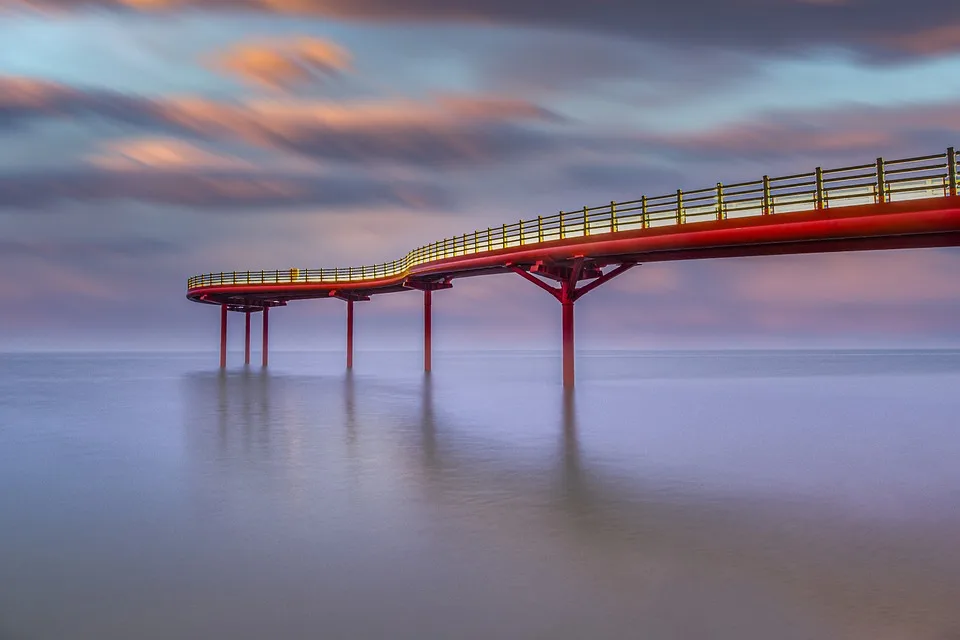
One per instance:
(886, 204)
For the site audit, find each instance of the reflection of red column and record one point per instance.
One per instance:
(568, 356)
(349, 334)
(246, 340)
(427, 312)
(223, 336)
(266, 333)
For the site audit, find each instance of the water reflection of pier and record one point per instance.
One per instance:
(904, 582)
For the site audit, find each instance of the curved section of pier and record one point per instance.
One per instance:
(886, 204)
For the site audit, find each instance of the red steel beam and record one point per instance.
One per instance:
(427, 329)
(223, 336)
(554, 291)
(896, 225)
(246, 339)
(607, 277)
(349, 334)
(568, 293)
(569, 356)
(266, 335)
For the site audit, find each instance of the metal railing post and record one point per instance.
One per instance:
(952, 171)
(792, 193)
(819, 196)
(720, 215)
(766, 195)
(881, 183)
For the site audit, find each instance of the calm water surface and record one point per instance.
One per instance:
(768, 495)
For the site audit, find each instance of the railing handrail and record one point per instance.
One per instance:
(766, 196)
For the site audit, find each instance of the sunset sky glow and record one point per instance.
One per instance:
(146, 141)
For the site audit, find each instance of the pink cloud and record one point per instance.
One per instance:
(133, 154)
(438, 130)
(284, 64)
(936, 40)
(850, 128)
(784, 25)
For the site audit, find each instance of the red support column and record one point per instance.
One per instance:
(349, 334)
(266, 334)
(246, 340)
(568, 352)
(223, 336)
(427, 329)
(568, 293)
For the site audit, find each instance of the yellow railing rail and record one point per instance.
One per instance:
(883, 181)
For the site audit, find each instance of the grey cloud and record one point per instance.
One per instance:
(627, 179)
(878, 27)
(82, 250)
(849, 131)
(213, 190)
(451, 131)
(468, 145)
(579, 63)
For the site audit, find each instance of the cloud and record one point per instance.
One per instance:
(71, 250)
(217, 190)
(448, 130)
(747, 25)
(169, 154)
(938, 40)
(837, 131)
(588, 63)
(285, 64)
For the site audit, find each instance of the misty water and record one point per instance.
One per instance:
(735, 495)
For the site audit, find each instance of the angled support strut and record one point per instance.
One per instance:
(568, 293)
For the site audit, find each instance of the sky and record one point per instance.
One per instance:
(146, 141)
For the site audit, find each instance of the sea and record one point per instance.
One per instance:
(774, 495)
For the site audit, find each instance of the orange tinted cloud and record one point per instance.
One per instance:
(285, 64)
(851, 128)
(437, 131)
(164, 153)
(937, 40)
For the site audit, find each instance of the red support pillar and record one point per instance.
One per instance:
(568, 293)
(568, 353)
(349, 334)
(223, 336)
(246, 340)
(266, 334)
(427, 329)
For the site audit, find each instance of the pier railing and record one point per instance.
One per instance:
(878, 182)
